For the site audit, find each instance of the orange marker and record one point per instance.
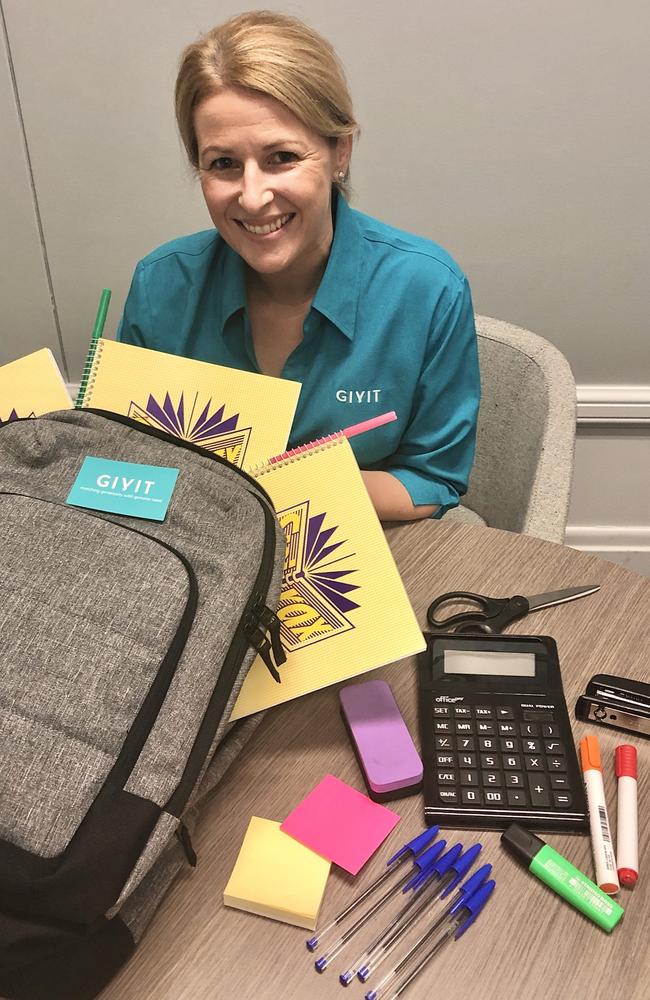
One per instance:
(601, 838)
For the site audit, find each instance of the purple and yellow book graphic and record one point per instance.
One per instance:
(16, 416)
(31, 386)
(314, 603)
(199, 424)
(343, 608)
(243, 416)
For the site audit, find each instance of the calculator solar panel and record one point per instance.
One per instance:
(496, 739)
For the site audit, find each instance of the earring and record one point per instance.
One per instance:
(340, 177)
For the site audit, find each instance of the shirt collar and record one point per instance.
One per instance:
(337, 295)
(232, 284)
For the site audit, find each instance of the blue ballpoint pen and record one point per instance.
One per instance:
(408, 851)
(472, 885)
(460, 917)
(422, 863)
(443, 874)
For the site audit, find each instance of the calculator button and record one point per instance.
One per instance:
(465, 743)
(556, 764)
(492, 778)
(562, 800)
(494, 798)
(443, 727)
(554, 747)
(471, 797)
(464, 728)
(487, 743)
(443, 743)
(445, 760)
(532, 746)
(485, 728)
(446, 777)
(510, 745)
(463, 711)
(507, 728)
(467, 759)
(560, 781)
(469, 777)
(534, 763)
(516, 798)
(514, 779)
(512, 762)
(483, 711)
(550, 729)
(448, 795)
(538, 786)
(505, 713)
(441, 711)
(489, 760)
(529, 729)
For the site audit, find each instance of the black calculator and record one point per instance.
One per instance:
(495, 734)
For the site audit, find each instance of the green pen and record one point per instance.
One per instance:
(561, 876)
(95, 337)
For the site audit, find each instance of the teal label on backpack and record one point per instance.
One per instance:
(124, 488)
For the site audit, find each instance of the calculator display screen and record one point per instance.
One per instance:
(485, 662)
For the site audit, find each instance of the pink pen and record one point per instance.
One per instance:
(627, 842)
(348, 432)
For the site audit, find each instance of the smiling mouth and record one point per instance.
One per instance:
(270, 227)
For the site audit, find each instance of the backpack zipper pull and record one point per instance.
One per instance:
(261, 644)
(185, 841)
(272, 624)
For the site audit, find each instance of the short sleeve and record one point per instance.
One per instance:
(436, 452)
(136, 323)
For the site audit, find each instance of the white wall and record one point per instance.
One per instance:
(515, 134)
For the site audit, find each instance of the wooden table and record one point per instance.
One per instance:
(529, 944)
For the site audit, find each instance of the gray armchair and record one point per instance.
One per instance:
(521, 479)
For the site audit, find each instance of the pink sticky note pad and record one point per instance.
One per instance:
(340, 823)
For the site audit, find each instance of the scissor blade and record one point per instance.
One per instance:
(539, 601)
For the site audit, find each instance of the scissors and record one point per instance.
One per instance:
(492, 614)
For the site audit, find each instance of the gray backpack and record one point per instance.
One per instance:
(123, 644)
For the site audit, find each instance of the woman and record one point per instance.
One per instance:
(294, 283)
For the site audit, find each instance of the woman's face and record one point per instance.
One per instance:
(267, 181)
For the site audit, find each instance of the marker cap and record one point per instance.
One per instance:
(626, 761)
(590, 754)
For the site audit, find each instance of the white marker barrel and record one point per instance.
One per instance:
(627, 842)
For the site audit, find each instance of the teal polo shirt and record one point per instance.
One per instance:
(391, 327)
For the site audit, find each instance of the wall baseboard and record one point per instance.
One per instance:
(629, 546)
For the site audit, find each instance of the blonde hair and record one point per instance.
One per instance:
(271, 54)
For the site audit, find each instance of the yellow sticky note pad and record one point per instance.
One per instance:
(275, 876)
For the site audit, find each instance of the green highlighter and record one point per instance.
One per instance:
(561, 876)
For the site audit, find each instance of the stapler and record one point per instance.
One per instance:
(617, 702)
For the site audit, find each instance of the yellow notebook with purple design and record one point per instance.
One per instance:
(343, 608)
(242, 416)
(32, 385)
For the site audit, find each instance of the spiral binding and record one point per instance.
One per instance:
(88, 375)
(295, 454)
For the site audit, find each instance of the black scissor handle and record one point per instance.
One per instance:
(484, 608)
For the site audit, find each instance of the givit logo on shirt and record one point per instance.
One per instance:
(358, 395)
(123, 488)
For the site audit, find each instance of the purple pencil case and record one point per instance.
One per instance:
(387, 756)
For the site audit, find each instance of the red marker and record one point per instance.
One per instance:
(627, 841)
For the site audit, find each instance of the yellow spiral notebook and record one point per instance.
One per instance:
(32, 385)
(242, 416)
(343, 606)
